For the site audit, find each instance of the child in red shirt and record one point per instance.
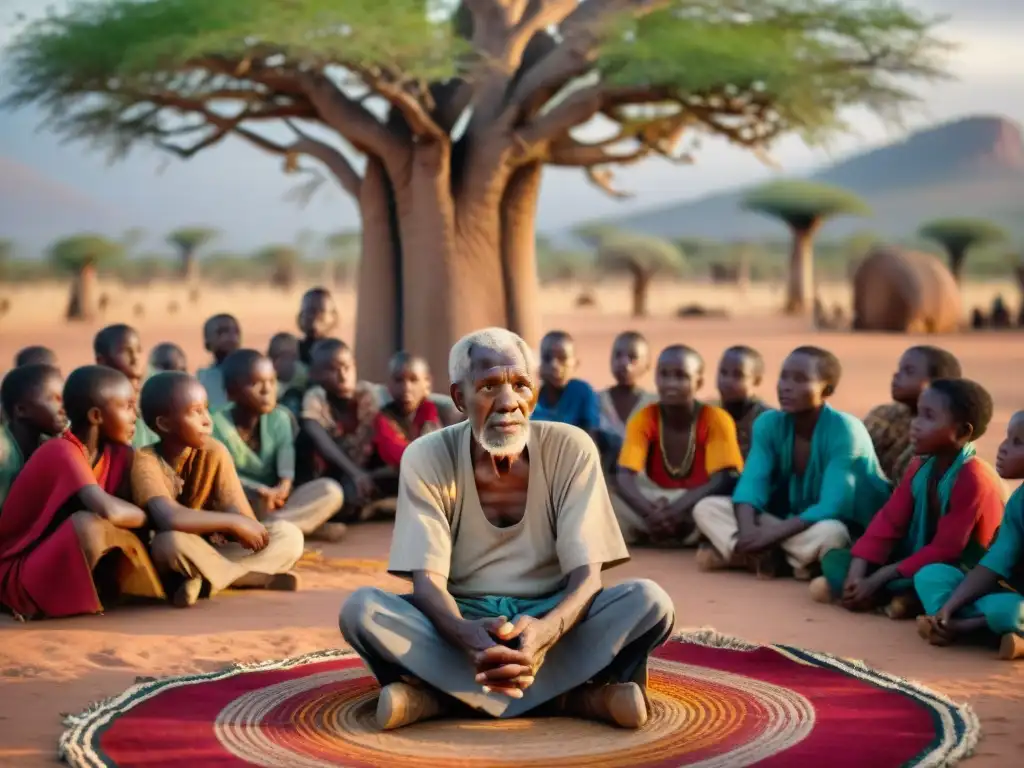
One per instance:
(410, 413)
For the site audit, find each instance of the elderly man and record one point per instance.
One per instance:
(504, 526)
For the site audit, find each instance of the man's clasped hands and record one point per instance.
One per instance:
(507, 654)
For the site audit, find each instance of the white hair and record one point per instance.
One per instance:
(498, 340)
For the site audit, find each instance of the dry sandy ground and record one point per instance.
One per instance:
(50, 668)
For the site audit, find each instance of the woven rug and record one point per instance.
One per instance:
(716, 701)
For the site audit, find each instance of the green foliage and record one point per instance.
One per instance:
(639, 254)
(800, 203)
(795, 63)
(284, 262)
(594, 234)
(96, 40)
(191, 239)
(6, 256)
(72, 254)
(963, 234)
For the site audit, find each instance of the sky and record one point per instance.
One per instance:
(241, 190)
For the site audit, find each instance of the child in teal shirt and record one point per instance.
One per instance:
(989, 596)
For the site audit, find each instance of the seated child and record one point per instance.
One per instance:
(36, 355)
(679, 455)
(208, 537)
(31, 401)
(563, 398)
(339, 427)
(119, 347)
(260, 436)
(318, 317)
(631, 359)
(946, 509)
(409, 413)
(810, 481)
(988, 598)
(889, 425)
(292, 376)
(65, 543)
(739, 375)
(166, 356)
(222, 335)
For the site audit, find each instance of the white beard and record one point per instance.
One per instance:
(503, 445)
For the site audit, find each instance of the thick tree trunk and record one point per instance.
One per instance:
(957, 256)
(800, 291)
(451, 259)
(445, 264)
(641, 288)
(379, 287)
(189, 267)
(83, 302)
(518, 252)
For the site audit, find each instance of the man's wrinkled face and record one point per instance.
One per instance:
(498, 397)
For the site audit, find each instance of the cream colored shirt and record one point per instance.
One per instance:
(440, 525)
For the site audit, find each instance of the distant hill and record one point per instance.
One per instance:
(34, 207)
(968, 167)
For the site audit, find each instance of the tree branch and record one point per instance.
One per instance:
(583, 105)
(581, 32)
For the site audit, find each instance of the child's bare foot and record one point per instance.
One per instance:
(903, 607)
(332, 532)
(927, 631)
(1011, 647)
(187, 593)
(709, 560)
(284, 582)
(820, 591)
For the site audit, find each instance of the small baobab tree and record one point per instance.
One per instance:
(80, 256)
(957, 236)
(803, 206)
(283, 261)
(642, 257)
(188, 241)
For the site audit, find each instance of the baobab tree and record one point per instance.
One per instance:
(803, 206)
(188, 241)
(959, 235)
(81, 255)
(641, 257)
(440, 127)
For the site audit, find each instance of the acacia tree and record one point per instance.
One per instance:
(803, 206)
(343, 247)
(959, 235)
(188, 241)
(642, 258)
(81, 255)
(439, 121)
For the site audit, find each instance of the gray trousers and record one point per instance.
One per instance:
(624, 625)
(190, 555)
(309, 506)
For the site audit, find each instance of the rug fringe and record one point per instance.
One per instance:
(709, 637)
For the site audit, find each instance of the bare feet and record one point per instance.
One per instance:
(284, 582)
(926, 630)
(902, 607)
(1011, 647)
(332, 532)
(187, 593)
(402, 704)
(709, 560)
(820, 591)
(621, 704)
